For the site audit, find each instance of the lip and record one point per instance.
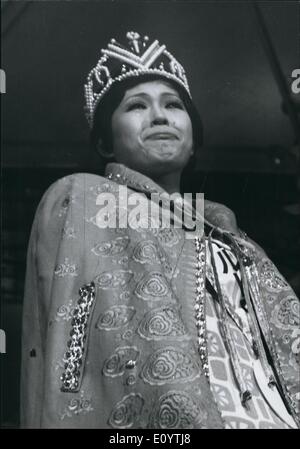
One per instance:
(161, 134)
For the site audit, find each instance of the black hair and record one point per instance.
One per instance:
(102, 127)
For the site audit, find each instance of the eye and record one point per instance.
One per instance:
(136, 105)
(175, 104)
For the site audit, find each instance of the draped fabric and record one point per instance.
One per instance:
(266, 409)
(109, 334)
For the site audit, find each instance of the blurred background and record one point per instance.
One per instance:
(241, 84)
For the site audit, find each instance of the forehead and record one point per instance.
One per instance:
(156, 87)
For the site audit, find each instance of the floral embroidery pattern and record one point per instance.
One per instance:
(112, 247)
(115, 317)
(176, 410)
(146, 252)
(294, 357)
(66, 269)
(152, 286)
(77, 406)
(130, 380)
(286, 314)
(271, 278)
(296, 341)
(65, 312)
(127, 335)
(125, 295)
(168, 236)
(123, 357)
(118, 278)
(121, 260)
(162, 322)
(127, 412)
(169, 365)
(169, 270)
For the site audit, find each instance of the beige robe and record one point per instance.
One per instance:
(138, 364)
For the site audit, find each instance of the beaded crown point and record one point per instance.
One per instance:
(136, 58)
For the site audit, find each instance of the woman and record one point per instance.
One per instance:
(170, 328)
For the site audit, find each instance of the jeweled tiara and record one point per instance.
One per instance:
(119, 62)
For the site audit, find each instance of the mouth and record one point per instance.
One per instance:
(161, 134)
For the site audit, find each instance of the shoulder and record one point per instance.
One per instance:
(73, 181)
(75, 191)
(224, 218)
(220, 216)
(64, 189)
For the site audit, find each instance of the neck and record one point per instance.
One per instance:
(169, 182)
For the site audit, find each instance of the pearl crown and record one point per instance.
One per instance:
(138, 58)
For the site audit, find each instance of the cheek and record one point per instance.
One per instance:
(125, 140)
(125, 130)
(188, 132)
(181, 120)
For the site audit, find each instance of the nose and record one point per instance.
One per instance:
(158, 116)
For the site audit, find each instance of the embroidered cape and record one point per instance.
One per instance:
(109, 333)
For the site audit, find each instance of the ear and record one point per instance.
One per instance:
(103, 151)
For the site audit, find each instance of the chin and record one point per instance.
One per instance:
(162, 166)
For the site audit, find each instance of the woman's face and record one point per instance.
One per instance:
(151, 130)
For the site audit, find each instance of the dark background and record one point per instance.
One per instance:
(249, 157)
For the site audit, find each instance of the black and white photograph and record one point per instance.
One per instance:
(150, 217)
